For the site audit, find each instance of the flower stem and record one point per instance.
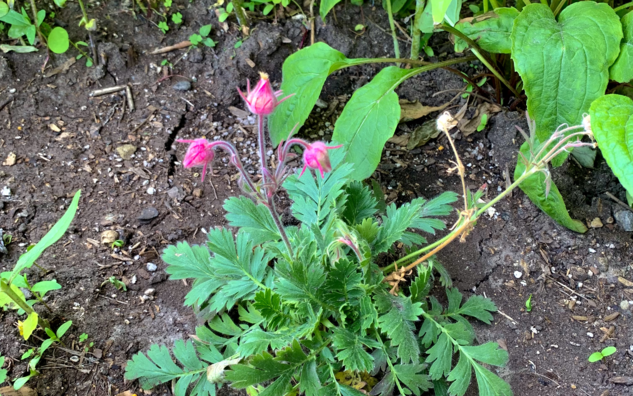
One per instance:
(416, 34)
(282, 231)
(261, 137)
(396, 48)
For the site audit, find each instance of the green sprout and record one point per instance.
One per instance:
(118, 243)
(598, 356)
(7, 238)
(83, 337)
(117, 283)
(528, 304)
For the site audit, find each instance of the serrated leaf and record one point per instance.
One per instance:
(269, 306)
(440, 356)
(411, 375)
(309, 381)
(258, 341)
(477, 306)
(491, 31)
(252, 219)
(368, 314)
(460, 376)
(551, 203)
(621, 70)
(489, 384)
(315, 198)
(351, 350)
(421, 285)
(488, 353)
(438, 206)
(564, 64)
(299, 282)
(394, 224)
(360, 203)
(343, 284)
(397, 324)
(304, 74)
(612, 125)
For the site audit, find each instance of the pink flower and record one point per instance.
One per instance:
(199, 154)
(316, 157)
(262, 100)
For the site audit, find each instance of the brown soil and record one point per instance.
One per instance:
(80, 152)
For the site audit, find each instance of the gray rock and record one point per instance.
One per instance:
(114, 58)
(176, 193)
(624, 305)
(182, 86)
(625, 219)
(196, 55)
(96, 73)
(148, 214)
(151, 267)
(126, 151)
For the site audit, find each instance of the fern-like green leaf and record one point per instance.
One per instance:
(394, 224)
(343, 284)
(351, 350)
(477, 307)
(438, 206)
(411, 375)
(360, 203)
(158, 367)
(255, 220)
(300, 281)
(314, 198)
(397, 323)
(269, 305)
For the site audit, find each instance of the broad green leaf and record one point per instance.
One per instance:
(452, 12)
(14, 18)
(595, 357)
(4, 10)
(20, 49)
(564, 64)
(20, 382)
(57, 231)
(622, 70)
(612, 126)
(195, 39)
(369, 119)
(552, 204)
(205, 30)
(60, 3)
(45, 286)
(41, 14)
(58, 40)
(3, 373)
(64, 328)
(30, 34)
(586, 156)
(326, 6)
(491, 31)
(439, 9)
(29, 325)
(608, 351)
(304, 74)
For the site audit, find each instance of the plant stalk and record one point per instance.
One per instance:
(416, 33)
(280, 226)
(396, 48)
(37, 28)
(477, 51)
(623, 7)
(95, 59)
(6, 289)
(242, 19)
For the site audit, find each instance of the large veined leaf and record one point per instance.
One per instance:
(552, 204)
(304, 74)
(369, 119)
(612, 125)
(4, 9)
(622, 69)
(491, 31)
(564, 64)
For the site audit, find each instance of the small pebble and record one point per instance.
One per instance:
(149, 292)
(182, 86)
(148, 214)
(151, 190)
(6, 191)
(518, 274)
(625, 305)
(590, 335)
(151, 267)
(592, 250)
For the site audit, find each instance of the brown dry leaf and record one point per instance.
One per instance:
(628, 381)
(23, 391)
(611, 317)
(61, 69)
(625, 281)
(10, 161)
(596, 223)
(410, 111)
(63, 136)
(470, 126)
(580, 318)
(423, 134)
(239, 113)
(401, 140)
(250, 63)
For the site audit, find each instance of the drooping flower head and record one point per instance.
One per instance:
(199, 154)
(316, 157)
(262, 100)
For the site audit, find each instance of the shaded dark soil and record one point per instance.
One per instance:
(66, 140)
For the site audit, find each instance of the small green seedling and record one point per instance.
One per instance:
(117, 283)
(83, 337)
(483, 123)
(238, 44)
(598, 356)
(203, 37)
(162, 25)
(359, 27)
(7, 238)
(119, 243)
(528, 304)
(176, 18)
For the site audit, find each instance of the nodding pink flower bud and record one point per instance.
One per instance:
(316, 157)
(262, 100)
(199, 154)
